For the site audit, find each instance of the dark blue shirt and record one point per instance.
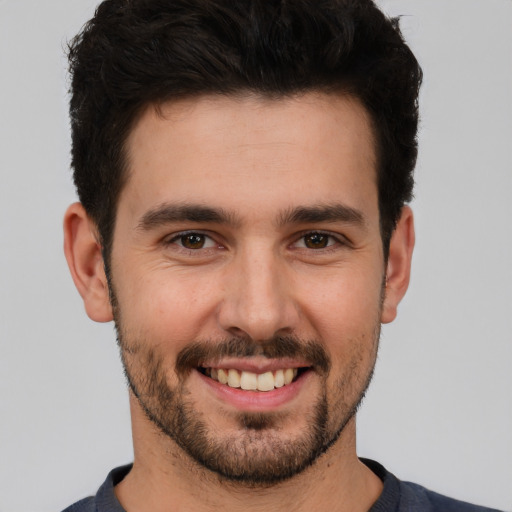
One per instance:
(397, 496)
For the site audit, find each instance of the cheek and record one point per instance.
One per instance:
(346, 306)
(166, 308)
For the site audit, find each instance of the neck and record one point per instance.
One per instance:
(164, 478)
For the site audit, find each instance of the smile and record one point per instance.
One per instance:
(250, 381)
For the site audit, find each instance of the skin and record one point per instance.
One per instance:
(256, 277)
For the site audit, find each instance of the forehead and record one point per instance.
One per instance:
(247, 152)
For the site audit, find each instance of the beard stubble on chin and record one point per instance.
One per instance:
(257, 452)
(257, 455)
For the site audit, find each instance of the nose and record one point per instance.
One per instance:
(258, 297)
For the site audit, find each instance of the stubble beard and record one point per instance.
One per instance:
(257, 453)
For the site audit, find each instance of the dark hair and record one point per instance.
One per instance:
(134, 53)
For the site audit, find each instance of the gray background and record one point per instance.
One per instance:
(439, 411)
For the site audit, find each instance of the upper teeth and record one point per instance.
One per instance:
(253, 381)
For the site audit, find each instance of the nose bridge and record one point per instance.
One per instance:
(258, 300)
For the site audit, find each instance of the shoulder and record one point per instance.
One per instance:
(105, 499)
(85, 505)
(400, 496)
(414, 497)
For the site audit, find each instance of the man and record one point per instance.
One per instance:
(243, 170)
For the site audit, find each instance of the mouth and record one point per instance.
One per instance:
(251, 381)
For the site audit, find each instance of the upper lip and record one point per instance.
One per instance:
(256, 364)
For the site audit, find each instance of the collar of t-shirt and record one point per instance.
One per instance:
(106, 500)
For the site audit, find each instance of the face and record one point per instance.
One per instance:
(247, 270)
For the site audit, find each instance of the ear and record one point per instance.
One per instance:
(85, 261)
(398, 271)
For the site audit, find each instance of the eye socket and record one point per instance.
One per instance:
(193, 241)
(316, 240)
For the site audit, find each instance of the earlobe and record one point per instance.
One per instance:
(398, 269)
(85, 261)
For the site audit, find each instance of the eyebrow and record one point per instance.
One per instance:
(322, 213)
(168, 213)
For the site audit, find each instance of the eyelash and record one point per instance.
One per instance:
(333, 241)
(177, 238)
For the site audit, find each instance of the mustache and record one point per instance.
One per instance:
(277, 347)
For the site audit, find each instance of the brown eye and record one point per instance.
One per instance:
(193, 241)
(316, 241)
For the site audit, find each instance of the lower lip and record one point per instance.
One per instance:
(256, 401)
